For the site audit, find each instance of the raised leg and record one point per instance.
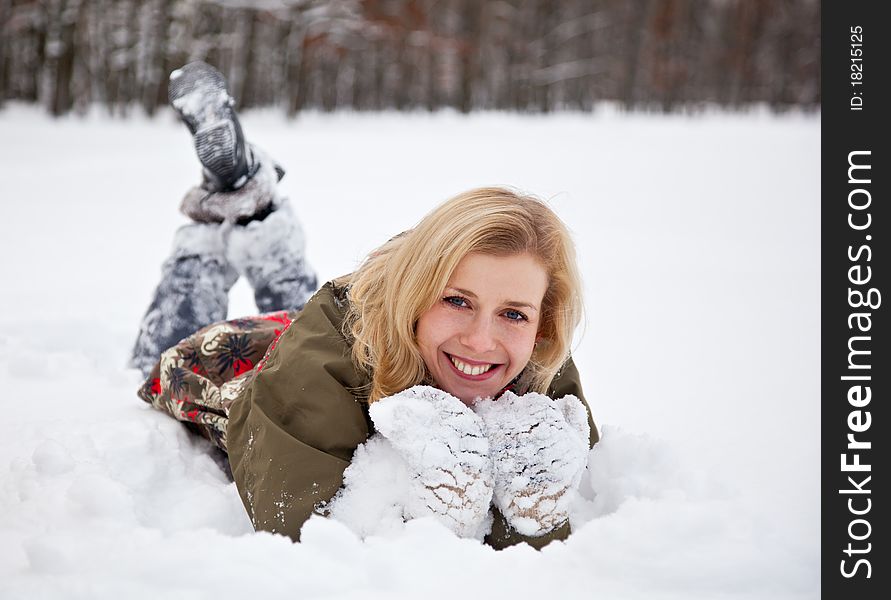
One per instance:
(271, 254)
(192, 293)
(199, 94)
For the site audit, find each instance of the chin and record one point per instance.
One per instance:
(467, 402)
(470, 398)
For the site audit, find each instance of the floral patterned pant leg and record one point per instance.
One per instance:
(197, 380)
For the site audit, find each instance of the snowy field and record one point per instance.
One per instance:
(699, 245)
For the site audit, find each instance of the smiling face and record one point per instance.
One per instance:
(480, 333)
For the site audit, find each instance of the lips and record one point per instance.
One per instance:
(470, 369)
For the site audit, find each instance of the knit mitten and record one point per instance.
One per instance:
(539, 448)
(443, 443)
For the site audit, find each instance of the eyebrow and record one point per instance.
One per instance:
(511, 303)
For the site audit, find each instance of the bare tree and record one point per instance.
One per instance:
(525, 55)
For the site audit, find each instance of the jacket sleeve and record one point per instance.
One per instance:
(293, 430)
(567, 381)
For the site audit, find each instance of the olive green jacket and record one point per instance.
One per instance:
(294, 428)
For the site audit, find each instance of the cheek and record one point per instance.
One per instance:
(423, 333)
(521, 343)
(432, 330)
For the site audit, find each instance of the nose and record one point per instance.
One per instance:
(479, 336)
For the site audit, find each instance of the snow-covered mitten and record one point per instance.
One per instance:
(192, 293)
(271, 254)
(539, 448)
(447, 453)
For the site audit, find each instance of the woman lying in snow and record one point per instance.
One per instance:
(439, 370)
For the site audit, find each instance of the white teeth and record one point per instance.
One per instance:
(470, 370)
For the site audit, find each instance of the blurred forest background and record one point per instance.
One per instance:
(520, 55)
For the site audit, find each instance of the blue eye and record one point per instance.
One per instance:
(515, 315)
(456, 301)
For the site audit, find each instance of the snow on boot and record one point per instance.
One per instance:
(252, 200)
(199, 95)
(193, 292)
(271, 254)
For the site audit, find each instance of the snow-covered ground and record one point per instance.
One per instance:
(699, 245)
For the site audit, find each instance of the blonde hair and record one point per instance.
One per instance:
(402, 279)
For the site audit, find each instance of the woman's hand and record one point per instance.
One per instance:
(445, 447)
(539, 448)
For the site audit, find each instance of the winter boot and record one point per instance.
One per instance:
(270, 252)
(253, 200)
(193, 292)
(199, 95)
